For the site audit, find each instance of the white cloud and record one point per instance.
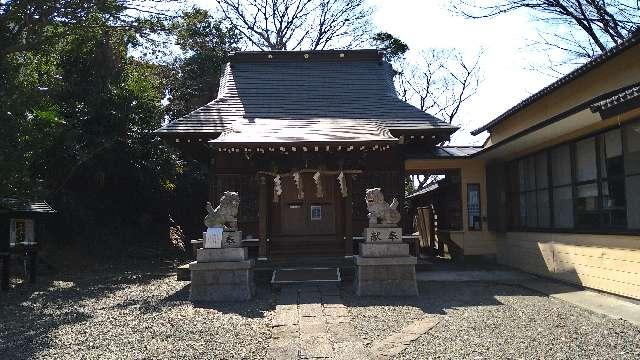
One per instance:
(427, 24)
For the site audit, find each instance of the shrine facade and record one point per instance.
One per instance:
(301, 135)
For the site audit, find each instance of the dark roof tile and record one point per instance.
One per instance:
(357, 87)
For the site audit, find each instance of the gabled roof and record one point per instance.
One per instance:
(312, 86)
(633, 40)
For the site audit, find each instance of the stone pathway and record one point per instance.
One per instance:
(314, 323)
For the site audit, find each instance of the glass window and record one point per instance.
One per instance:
(592, 183)
(473, 205)
(530, 182)
(544, 214)
(587, 215)
(586, 160)
(561, 165)
(611, 162)
(532, 212)
(563, 207)
(632, 148)
(613, 203)
(633, 202)
(542, 180)
(523, 209)
(522, 175)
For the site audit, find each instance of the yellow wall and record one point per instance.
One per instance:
(471, 171)
(623, 70)
(605, 262)
(558, 138)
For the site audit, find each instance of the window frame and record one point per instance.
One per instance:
(514, 194)
(469, 223)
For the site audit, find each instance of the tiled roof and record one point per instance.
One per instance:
(15, 205)
(633, 40)
(624, 95)
(455, 151)
(348, 85)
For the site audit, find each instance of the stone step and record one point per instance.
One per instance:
(306, 275)
(183, 273)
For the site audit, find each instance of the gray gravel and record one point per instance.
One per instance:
(121, 313)
(492, 321)
(132, 315)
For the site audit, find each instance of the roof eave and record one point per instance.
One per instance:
(632, 41)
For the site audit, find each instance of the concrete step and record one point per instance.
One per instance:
(306, 275)
(183, 273)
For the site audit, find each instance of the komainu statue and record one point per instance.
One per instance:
(225, 214)
(381, 214)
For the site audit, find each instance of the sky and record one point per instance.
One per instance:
(507, 79)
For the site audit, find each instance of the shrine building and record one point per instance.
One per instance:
(300, 135)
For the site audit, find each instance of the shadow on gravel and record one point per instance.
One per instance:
(255, 308)
(30, 313)
(437, 299)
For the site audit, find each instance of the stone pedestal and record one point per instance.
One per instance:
(385, 269)
(219, 275)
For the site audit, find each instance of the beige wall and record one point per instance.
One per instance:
(471, 171)
(605, 262)
(618, 72)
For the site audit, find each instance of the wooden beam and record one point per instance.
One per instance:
(313, 171)
(263, 211)
(348, 218)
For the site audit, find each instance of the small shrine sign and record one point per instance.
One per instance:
(213, 238)
(378, 234)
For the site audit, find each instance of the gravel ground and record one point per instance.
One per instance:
(491, 321)
(144, 313)
(127, 315)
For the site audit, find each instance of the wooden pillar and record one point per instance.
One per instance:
(4, 271)
(5, 240)
(348, 218)
(30, 263)
(263, 213)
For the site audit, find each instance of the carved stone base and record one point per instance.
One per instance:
(224, 254)
(222, 275)
(390, 276)
(385, 268)
(369, 250)
(383, 234)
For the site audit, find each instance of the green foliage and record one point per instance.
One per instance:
(207, 43)
(77, 114)
(393, 47)
(78, 111)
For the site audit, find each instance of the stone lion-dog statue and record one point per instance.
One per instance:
(381, 214)
(225, 214)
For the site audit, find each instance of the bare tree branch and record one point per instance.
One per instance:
(298, 24)
(593, 25)
(441, 82)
